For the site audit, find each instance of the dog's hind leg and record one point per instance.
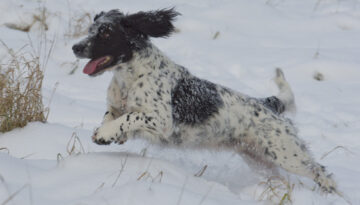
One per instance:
(281, 146)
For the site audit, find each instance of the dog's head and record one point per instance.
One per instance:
(114, 37)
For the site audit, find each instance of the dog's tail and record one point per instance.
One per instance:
(285, 94)
(285, 100)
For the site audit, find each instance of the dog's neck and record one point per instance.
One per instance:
(144, 62)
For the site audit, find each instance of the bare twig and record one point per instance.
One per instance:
(143, 152)
(26, 156)
(12, 196)
(59, 158)
(159, 175)
(182, 191)
(47, 109)
(100, 187)
(123, 163)
(277, 187)
(335, 148)
(146, 172)
(216, 35)
(142, 175)
(206, 194)
(71, 146)
(201, 171)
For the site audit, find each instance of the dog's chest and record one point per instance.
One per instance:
(117, 95)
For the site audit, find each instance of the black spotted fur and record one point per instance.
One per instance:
(194, 101)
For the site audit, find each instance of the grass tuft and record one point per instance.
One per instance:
(74, 146)
(277, 190)
(20, 90)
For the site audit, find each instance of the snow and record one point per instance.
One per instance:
(255, 37)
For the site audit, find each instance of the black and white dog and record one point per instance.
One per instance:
(153, 97)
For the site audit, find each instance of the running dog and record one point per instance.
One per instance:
(153, 97)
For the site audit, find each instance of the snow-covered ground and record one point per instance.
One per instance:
(254, 37)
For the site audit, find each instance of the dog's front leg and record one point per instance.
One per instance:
(110, 114)
(118, 129)
(116, 101)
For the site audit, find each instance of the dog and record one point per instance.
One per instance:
(152, 97)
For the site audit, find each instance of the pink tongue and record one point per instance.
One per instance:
(91, 66)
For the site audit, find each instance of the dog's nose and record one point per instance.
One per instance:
(78, 48)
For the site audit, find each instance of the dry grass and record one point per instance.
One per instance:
(21, 77)
(74, 146)
(123, 163)
(20, 91)
(216, 35)
(318, 76)
(13, 195)
(201, 171)
(335, 148)
(277, 190)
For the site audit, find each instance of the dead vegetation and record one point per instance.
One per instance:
(318, 76)
(201, 171)
(20, 91)
(22, 74)
(74, 147)
(277, 190)
(216, 35)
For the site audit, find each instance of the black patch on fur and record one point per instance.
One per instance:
(274, 104)
(194, 101)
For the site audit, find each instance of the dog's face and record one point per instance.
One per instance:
(114, 37)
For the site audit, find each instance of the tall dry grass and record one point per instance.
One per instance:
(21, 80)
(22, 74)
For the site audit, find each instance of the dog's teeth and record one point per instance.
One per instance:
(107, 59)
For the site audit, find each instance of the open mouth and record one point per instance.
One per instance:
(94, 66)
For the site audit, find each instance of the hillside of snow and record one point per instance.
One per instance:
(236, 43)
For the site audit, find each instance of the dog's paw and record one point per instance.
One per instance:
(106, 134)
(326, 184)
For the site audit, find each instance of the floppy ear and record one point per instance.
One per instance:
(98, 15)
(112, 13)
(153, 23)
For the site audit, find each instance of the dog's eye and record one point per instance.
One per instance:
(104, 31)
(104, 35)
